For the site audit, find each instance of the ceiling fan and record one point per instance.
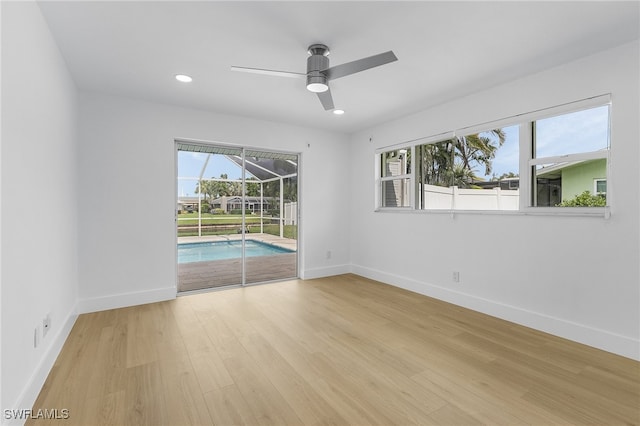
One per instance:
(319, 73)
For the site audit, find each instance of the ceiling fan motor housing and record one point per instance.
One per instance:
(317, 62)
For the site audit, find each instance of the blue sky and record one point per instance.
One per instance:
(506, 159)
(581, 131)
(190, 164)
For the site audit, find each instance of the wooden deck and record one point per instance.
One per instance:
(220, 273)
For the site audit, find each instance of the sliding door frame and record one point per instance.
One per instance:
(243, 149)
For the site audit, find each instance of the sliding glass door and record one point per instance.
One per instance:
(271, 242)
(236, 216)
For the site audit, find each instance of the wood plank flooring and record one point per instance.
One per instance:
(338, 351)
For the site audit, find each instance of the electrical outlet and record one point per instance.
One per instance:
(456, 276)
(46, 325)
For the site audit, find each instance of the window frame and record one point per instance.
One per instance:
(595, 186)
(529, 142)
(381, 179)
(527, 161)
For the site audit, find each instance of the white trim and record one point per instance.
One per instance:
(525, 136)
(567, 211)
(243, 264)
(327, 271)
(35, 383)
(526, 211)
(394, 177)
(377, 190)
(419, 141)
(570, 158)
(413, 195)
(611, 342)
(123, 300)
(231, 145)
(406, 209)
(300, 218)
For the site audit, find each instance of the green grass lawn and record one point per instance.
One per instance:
(289, 231)
(190, 219)
(253, 222)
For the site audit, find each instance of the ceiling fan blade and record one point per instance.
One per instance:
(359, 65)
(269, 72)
(326, 99)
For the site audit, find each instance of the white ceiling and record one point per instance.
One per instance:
(445, 50)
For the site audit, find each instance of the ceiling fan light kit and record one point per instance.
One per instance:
(317, 84)
(319, 73)
(317, 62)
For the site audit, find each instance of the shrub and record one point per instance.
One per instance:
(586, 199)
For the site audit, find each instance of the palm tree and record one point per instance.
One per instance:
(479, 148)
(252, 187)
(436, 162)
(204, 187)
(461, 176)
(453, 162)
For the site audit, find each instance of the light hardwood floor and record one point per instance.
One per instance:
(342, 350)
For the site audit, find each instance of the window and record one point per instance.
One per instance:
(435, 174)
(395, 178)
(569, 154)
(552, 158)
(478, 171)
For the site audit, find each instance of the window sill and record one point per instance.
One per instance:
(599, 212)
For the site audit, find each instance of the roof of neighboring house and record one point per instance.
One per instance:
(554, 171)
(238, 199)
(187, 200)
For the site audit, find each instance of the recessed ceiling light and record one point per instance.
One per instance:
(338, 111)
(183, 78)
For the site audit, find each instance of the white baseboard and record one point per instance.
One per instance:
(309, 274)
(36, 381)
(124, 300)
(601, 339)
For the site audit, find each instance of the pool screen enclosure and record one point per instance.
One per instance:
(241, 197)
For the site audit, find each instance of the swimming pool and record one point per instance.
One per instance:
(219, 250)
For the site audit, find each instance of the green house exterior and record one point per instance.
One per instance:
(564, 182)
(581, 177)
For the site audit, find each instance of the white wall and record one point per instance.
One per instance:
(127, 164)
(576, 277)
(39, 201)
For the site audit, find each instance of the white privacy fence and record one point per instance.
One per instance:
(438, 197)
(290, 213)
